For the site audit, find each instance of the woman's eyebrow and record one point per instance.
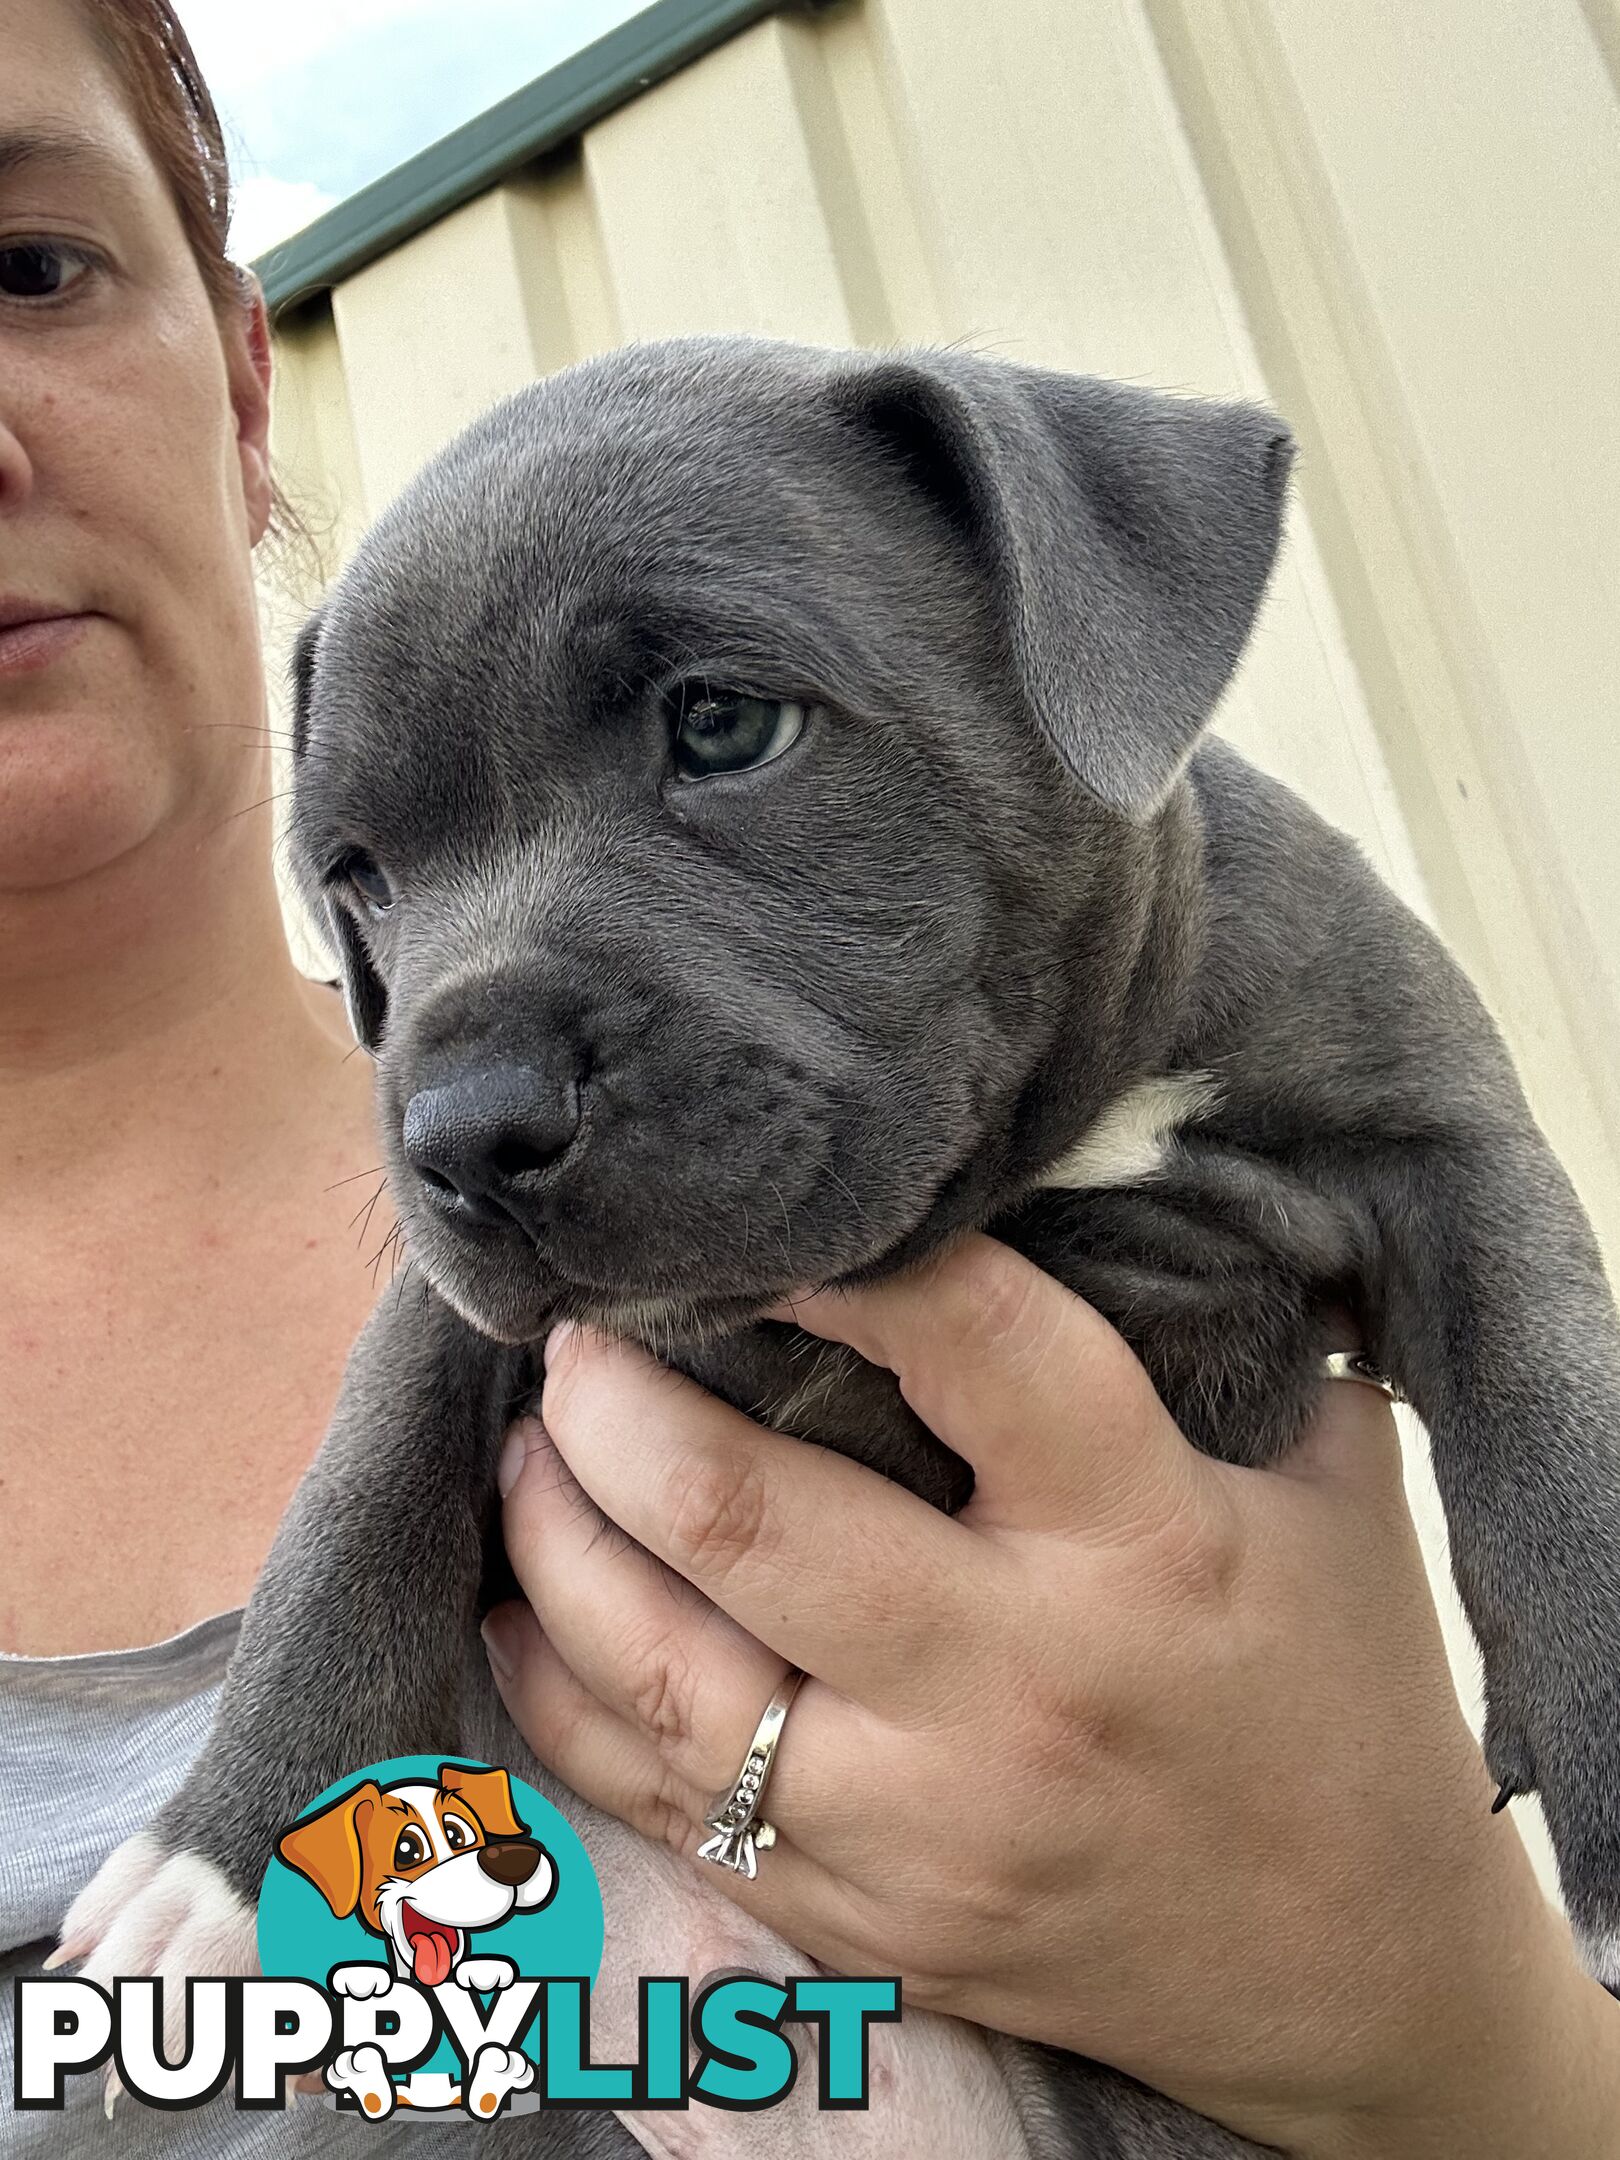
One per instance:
(26, 150)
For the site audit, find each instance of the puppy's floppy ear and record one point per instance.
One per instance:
(326, 1847)
(489, 1794)
(363, 993)
(1127, 537)
(302, 672)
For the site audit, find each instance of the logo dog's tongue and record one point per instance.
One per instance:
(432, 1947)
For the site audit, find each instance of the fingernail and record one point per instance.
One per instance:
(558, 1340)
(503, 1632)
(520, 1443)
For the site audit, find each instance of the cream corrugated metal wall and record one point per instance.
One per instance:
(1400, 224)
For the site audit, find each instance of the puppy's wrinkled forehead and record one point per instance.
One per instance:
(619, 528)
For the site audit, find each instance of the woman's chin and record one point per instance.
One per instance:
(74, 802)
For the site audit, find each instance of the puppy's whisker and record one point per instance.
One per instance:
(844, 1189)
(247, 809)
(787, 1226)
(363, 1215)
(243, 727)
(376, 1170)
(388, 1245)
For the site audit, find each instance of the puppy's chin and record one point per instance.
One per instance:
(509, 1325)
(519, 1304)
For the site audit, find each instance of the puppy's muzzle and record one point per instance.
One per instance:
(511, 1862)
(482, 1143)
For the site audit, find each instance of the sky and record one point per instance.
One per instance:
(319, 97)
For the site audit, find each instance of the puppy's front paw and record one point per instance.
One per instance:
(1540, 1737)
(485, 1973)
(496, 2072)
(152, 1911)
(361, 1981)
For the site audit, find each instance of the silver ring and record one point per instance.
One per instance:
(741, 1833)
(1356, 1365)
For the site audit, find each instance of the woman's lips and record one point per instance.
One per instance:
(26, 647)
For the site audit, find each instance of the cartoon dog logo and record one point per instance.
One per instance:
(423, 1866)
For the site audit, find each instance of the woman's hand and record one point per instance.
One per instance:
(1146, 1756)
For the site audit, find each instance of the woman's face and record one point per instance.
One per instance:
(133, 482)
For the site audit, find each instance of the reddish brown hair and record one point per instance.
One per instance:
(158, 70)
(153, 60)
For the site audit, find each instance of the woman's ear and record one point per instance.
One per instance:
(248, 363)
(1126, 537)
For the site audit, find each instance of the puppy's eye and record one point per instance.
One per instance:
(729, 731)
(369, 881)
(411, 1848)
(456, 1834)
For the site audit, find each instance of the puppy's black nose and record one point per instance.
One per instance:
(477, 1141)
(511, 1862)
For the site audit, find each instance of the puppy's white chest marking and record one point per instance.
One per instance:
(1131, 1139)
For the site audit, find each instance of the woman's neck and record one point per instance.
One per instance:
(185, 1233)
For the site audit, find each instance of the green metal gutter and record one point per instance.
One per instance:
(545, 114)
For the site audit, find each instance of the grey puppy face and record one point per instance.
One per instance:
(731, 773)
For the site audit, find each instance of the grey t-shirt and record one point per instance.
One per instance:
(91, 1747)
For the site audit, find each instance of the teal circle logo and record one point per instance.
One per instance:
(445, 1877)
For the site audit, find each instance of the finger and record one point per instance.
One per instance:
(645, 1643)
(834, 1568)
(818, 1763)
(596, 1753)
(1022, 1378)
(618, 1770)
(802, 1900)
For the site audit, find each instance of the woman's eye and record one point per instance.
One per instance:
(40, 269)
(729, 731)
(370, 882)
